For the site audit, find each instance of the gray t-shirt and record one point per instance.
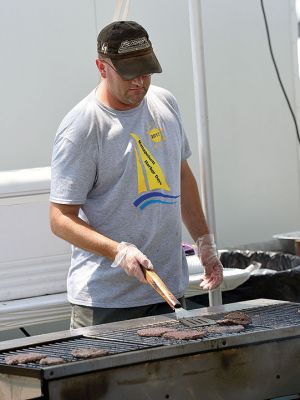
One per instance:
(123, 167)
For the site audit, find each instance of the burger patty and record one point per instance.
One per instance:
(184, 335)
(225, 329)
(24, 358)
(153, 332)
(236, 318)
(52, 361)
(90, 352)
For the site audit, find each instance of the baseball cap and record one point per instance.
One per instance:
(128, 46)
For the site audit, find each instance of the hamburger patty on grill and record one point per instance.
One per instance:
(52, 361)
(153, 332)
(184, 335)
(225, 329)
(24, 358)
(89, 352)
(236, 318)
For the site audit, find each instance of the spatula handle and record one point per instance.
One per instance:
(154, 280)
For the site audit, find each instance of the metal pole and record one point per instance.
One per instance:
(206, 185)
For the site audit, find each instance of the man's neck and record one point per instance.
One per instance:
(104, 97)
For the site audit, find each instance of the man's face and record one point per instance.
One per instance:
(125, 94)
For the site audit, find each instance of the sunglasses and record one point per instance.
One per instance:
(145, 76)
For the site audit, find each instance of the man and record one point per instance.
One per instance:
(120, 181)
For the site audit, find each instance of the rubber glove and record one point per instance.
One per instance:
(207, 252)
(129, 257)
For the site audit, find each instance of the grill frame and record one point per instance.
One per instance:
(170, 351)
(230, 374)
(150, 348)
(184, 352)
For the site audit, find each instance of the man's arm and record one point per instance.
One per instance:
(191, 208)
(194, 219)
(66, 224)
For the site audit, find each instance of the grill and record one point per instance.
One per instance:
(260, 362)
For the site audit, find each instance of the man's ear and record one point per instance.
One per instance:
(101, 67)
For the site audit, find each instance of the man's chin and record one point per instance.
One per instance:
(136, 100)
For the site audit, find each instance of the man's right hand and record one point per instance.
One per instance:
(129, 257)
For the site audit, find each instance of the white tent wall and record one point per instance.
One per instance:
(255, 154)
(48, 64)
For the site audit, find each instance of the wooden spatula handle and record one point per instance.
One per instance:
(154, 280)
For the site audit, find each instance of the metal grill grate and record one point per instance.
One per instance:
(276, 316)
(127, 340)
(64, 349)
(131, 335)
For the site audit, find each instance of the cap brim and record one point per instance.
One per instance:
(131, 67)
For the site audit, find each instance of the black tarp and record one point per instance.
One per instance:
(280, 279)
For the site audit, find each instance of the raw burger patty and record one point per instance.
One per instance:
(237, 317)
(52, 361)
(24, 358)
(153, 332)
(89, 353)
(184, 335)
(225, 329)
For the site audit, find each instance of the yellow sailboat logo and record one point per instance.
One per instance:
(147, 165)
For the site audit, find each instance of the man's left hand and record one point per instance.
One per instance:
(207, 252)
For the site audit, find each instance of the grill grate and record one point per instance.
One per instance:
(64, 349)
(131, 336)
(263, 318)
(274, 316)
(127, 340)
(134, 338)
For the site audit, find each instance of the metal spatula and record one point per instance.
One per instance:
(154, 280)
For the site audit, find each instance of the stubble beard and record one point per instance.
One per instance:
(135, 99)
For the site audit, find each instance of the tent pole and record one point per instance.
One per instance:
(206, 185)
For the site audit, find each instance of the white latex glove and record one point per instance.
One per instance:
(207, 252)
(129, 257)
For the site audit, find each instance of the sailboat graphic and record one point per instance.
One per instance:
(150, 177)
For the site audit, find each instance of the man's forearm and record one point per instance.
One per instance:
(191, 208)
(68, 226)
(194, 219)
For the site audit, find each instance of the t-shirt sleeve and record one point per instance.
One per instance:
(169, 101)
(185, 147)
(73, 171)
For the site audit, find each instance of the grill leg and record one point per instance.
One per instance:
(215, 297)
(23, 330)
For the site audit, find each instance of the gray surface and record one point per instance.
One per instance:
(276, 245)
